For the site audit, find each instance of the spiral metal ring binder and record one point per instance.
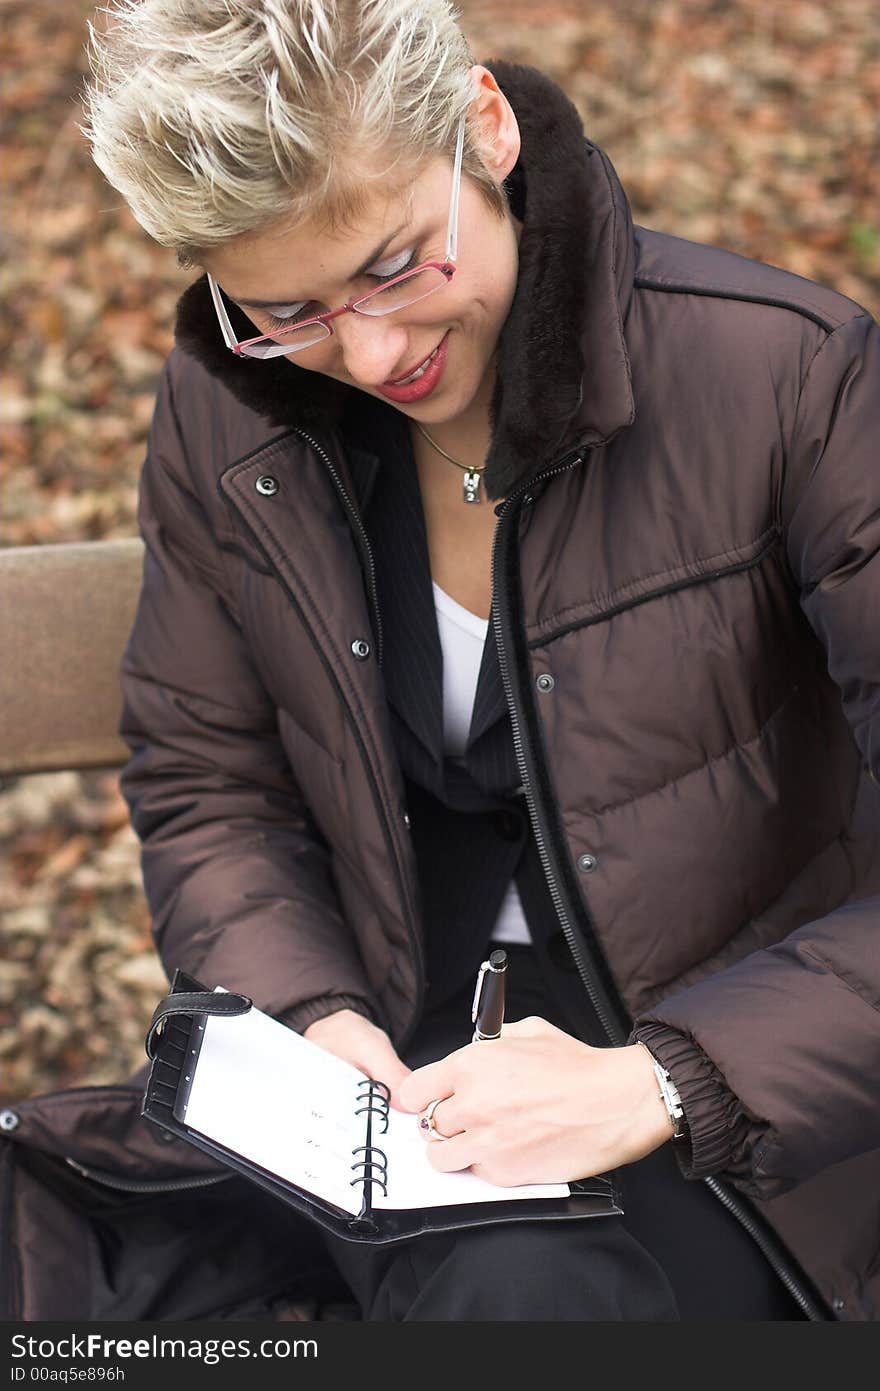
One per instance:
(376, 1099)
(377, 1092)
(370, 1163)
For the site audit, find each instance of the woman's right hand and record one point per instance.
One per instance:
(353, 1037)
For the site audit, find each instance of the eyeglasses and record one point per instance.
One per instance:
(398, 293)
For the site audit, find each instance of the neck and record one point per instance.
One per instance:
(467, 436)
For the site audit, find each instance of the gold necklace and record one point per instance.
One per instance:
(471, 475)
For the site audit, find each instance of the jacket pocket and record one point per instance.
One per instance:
(120, 1183)
(644, 591)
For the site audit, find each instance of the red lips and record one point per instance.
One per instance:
(423, 385)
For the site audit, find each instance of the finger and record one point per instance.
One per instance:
(394, 1075)
(452, 1155)
(445, 1122)
(529, 1027)
(353, 1038)
(382, 1063)
(427, 1084)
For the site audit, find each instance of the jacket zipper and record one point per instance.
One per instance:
(143, 1185)
(366, 549)
(587, 969)
(367, 553)
(585, 951)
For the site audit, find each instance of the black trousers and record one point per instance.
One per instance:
(676, 1254)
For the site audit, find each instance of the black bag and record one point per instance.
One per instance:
(104, 1216)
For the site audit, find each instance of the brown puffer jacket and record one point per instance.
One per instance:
(686, 606)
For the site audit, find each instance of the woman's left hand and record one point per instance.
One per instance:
(538, 1106)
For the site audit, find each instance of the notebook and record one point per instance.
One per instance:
(319, 1133)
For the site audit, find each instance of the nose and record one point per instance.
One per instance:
(373, 348)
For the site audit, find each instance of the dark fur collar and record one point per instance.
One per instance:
(563, 377)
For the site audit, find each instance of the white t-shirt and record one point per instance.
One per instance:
(462, 639)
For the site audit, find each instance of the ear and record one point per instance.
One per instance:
(496, 124)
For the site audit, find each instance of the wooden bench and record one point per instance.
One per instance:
(65, 615)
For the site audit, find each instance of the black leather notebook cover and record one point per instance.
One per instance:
(174, 1050)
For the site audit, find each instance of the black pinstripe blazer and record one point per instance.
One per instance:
(470, 825)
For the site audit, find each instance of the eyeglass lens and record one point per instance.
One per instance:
(386, 300)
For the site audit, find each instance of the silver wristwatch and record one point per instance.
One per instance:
(671, 1100)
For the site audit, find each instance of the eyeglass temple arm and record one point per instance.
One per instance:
(452, 235)
(225, 322)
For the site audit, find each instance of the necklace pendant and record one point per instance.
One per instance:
(472, 486)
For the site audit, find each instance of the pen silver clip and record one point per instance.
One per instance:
(481, 976)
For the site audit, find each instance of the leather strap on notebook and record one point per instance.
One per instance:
(193, 1002)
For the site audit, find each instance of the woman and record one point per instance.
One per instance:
(509, 578)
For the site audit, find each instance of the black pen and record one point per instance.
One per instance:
(487, 1014)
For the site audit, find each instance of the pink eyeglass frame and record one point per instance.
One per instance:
(447, 267)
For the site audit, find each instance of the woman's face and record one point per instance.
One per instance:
(270, 275)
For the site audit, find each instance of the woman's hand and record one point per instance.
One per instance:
(538, 1106)
(353, 1037)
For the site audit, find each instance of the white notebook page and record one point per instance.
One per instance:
(268, 1094)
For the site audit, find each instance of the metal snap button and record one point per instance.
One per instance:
(361, 649)
(9, 1120)
(545, 682)
(837, 1303)
(587, 863)
(267, 485)
(406, 820)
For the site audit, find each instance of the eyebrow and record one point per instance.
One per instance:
(365, 266)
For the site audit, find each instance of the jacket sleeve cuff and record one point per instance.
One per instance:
(301, 1016)
(712, 1112)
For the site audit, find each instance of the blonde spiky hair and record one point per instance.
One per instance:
(214, 118)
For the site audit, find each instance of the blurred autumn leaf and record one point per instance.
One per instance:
(747, 124)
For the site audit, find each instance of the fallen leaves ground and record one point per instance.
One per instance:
(752, 125)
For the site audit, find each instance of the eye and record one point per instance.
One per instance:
(387, 270)
(286, 318)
